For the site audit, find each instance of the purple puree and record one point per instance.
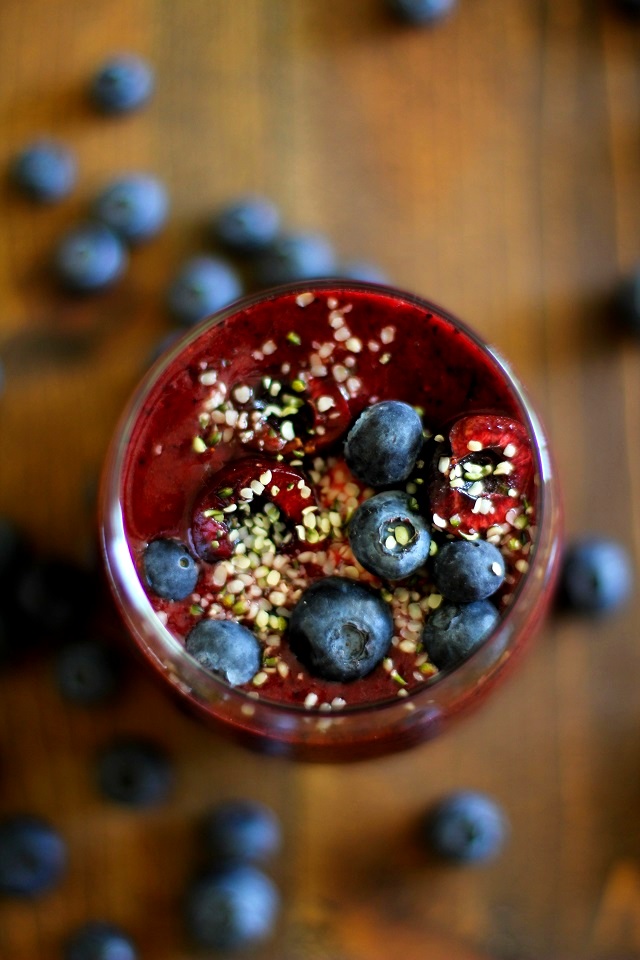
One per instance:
(426, 361)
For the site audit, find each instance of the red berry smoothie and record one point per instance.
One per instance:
(233, 447)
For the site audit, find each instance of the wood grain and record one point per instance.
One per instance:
(490, 164)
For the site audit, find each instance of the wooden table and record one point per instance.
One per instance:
(491, 164)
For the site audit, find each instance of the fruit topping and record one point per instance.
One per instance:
(340, 628)
(596, 575)
(465, 827)
(454, 630)
(383, 444)
(232, 907)
(226, 648)
(241, 830)
(467, 570)
(281, 490)
(169, 569)
(388, 536)
(136, 773)
(480, 475)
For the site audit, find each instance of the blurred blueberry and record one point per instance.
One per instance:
(241, 830)
(232, 908)
(420, 11)
(202, 286)
(123, 83)
(135, 207)
(32, 856)
(96, 940)
(87, 672)
(626, 300)
(296, 256)
(465, 827)
(90, 257)
(45, 170)
(597, 575)
(135, 772)
(56, 596)
(362, 271)
(246, 225)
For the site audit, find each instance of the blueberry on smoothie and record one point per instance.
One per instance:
(465, 827)
(169, 569)
(44, 171)
(97, 940)
(135, 207)
(455, 630)
(383, 444)
(246, 225)
(420, 11)
(243, 830)
(202, 286)
(134, 772)
(226, 648)
(467, 570)
(32, 856)
(231, 908)
(296, 256)
(388, 536)
(596, 575)
(90, 257)
(340, 628)
(123, 83)
(87, 672)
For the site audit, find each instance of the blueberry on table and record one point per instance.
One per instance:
(296, 256)
(626, 298)
(388, 536)
(202, 286)
(135, 207)
(232, 908)
(123, 83)
(89, 258)
(87, 672)
(226, 648)
(467, 570)
(134, 772)
(246, 225)
(465, 827)
(55, 596)
(420, 11)
(98, 940)
(596, 575)
(455, 630)
(169, 569)
(340, 628)
(44, 171)
(32, 856)
(383, 444)
(241, 830)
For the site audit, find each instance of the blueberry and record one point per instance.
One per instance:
(90, 257)
(465, 827)
(296, 256)
(231, 908)
(341, 629)
(134, 772)
(388, 536)
(56, 596)
(626, 299)
(467, 570)
(202, 286)
(363, 271)
(226, 648)
(169, 569)
(241, 830)
(420, 11)
(247, 225)
(87, 672)
(384, 442)
(122, 83)
(32, 856)
(135, 207)
(97, 940)
(596, 575)
(454, 631)
(45, 171)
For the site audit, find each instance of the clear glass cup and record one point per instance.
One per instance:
(356, 731)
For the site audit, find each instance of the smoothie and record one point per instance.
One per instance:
(244, 491)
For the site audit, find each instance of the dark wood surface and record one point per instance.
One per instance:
(491, 164)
